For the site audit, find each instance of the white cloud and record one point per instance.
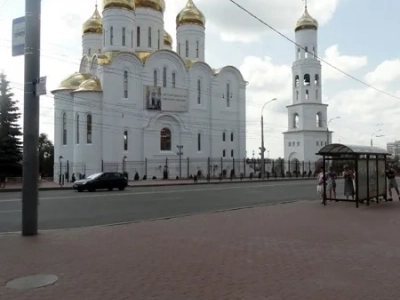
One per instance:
(346, 63)
(385, 73)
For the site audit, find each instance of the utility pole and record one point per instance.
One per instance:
(327, 129)
(30, 193)
(180, 153)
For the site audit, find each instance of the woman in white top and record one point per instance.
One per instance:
(320, 185)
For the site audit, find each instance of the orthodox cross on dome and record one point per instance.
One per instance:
(305, 3)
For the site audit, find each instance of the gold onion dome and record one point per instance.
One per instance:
(167, 39)
(94, 24)
(306, 22)
(73, 81)
(158, 5)
(126, 4)
(190, 15)
(90, 85)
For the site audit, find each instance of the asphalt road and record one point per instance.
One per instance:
(69, 209)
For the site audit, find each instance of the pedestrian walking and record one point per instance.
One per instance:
(320, 184)
(348, 182)
(391, 175)
(331, 183)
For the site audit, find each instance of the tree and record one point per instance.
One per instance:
(10, 131)
(46, 155)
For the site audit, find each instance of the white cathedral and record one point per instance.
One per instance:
(307, 116)
(135, 99)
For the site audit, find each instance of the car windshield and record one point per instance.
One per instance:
(94, 176)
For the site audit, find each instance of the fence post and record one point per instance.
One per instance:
(283, 168)
(244, 165)
(209, 166)
(145, 166)
(102, 165)
(234, 167)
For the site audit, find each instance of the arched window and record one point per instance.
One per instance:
(165, 136)
(158, 39)
(232, 153)
(316, 79)
(228, 95)
(111, 35)
(138, 36)
(297, 95)
(123, 36)
(306, 79)
(199, 91)
(125, 84)
(197, 49)
(306, 52)
(314, 53)
(165, 77)
(296, 120)
(155, 78)
(126, 140)
(224, 153)
(296, 81)
(173, 79)
(187, 48)
(298, 53)
(77, 129)
(223, 136)
(199, 142)
(64, 128)
(231, 136)
(89, 129)
(319, 120)
(307, 95)
(149, 37)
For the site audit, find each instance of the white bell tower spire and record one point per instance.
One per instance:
(307, 115)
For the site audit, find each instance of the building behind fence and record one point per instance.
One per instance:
(188, 168)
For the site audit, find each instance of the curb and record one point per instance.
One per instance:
(13, 190)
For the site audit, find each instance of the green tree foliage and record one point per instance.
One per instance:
(10, 131)
(46, 155)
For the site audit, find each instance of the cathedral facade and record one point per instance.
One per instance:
(307, 116)
(134, 98)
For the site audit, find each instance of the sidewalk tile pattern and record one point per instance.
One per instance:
(283, 252)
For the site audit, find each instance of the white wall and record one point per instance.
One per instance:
(149, 19)
(194, 35)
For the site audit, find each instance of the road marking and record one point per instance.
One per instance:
(151, 192)
(9, 211)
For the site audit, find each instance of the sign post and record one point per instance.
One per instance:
(18, 36)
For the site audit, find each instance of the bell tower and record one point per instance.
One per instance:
(307, 116)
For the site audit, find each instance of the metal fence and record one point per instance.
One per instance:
(186, 168)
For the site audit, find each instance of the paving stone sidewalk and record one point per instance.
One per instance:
(299, 251)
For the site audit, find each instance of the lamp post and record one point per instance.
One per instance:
(378, 136)
(262, 148)
(327, 129)
(124, 164)
(180, 153)
(60, 159)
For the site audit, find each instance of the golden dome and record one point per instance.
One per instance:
(127, 4)
(94, 24)
(73, 81)
(90, 85)
(306, 22)
(190, 15)
(153, 4)
(167, 39)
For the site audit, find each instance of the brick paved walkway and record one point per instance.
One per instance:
(300, 251)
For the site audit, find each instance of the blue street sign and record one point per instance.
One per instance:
(18, 36)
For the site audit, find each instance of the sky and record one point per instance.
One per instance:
(356, 36)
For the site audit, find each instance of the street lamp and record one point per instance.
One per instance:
(262, 148)
(374, 135)
(327, 129)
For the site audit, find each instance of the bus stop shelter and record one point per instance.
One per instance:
(368, 164)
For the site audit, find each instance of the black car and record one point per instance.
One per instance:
(99, 181)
